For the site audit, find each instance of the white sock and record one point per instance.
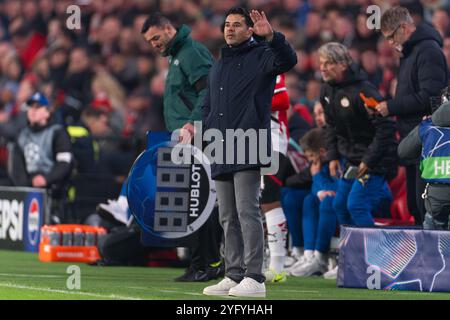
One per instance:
(321, 257)
(297, 252)
(276, 234)
(309, 255)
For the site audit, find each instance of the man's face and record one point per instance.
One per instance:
(236, 30)
(396, 37)
(319, 115)
(158, 37)
(99, 125)
(331, 71)
(79, 61)
(38, 115)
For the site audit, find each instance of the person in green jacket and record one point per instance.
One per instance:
(185, 90)
(189, 64)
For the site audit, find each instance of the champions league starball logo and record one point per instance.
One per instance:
(171, 200)
(394, 259)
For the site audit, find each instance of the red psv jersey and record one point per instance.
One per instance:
(279, 121)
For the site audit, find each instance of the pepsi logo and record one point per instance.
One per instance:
(33, 221)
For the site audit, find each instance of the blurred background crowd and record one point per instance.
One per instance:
(106, 77)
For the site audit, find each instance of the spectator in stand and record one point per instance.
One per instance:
(447, 54)
(108, 93)
(311, 33)
(365, 38)
(77, 85)
(344, 30)
(369, 63)
(28, 39)
(441, 21)
(311, 94)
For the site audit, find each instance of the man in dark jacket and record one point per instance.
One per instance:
(422, 76)
(356, 140)
(185, 89)
(239, 95)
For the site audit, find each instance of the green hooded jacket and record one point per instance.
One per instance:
(189, 61)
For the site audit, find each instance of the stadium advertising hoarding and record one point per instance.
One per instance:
(22, 213)
(394, 259)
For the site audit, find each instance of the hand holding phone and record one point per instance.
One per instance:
(351, 173)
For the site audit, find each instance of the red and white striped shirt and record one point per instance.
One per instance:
(279, 121)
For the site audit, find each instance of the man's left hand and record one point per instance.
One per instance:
(362, 170)
(39, 181)
(382, 108)
(261, 25)
(186, 133)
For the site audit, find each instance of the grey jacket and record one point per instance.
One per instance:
(411, 146)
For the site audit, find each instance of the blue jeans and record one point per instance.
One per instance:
(292, 203)
(319, 223)
(354, 202)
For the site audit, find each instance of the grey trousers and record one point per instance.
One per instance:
(437, 205)
(241, 221)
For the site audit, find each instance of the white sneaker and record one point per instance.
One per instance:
(220, 289)
(273, 276)
(289, 261)
(117, 208)
(332, 274)
(300, 262)
(249, 288)
(313, 267)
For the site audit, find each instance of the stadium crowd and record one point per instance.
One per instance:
(105, 78)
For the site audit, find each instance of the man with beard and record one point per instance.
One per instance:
(189, 64)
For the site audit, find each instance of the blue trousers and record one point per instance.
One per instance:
(292, 203)
(319, 223)
(355, 203)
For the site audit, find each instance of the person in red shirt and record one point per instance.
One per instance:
(271, 186)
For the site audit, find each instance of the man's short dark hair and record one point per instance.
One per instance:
(154, 19)
(395, 16)
(240, 11)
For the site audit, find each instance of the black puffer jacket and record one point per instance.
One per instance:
(352, 133)
(239, 96)
(422, 74)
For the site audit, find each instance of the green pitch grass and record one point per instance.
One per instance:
(23, 276)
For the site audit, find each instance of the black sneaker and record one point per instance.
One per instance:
(192, 275)
(216, 271)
